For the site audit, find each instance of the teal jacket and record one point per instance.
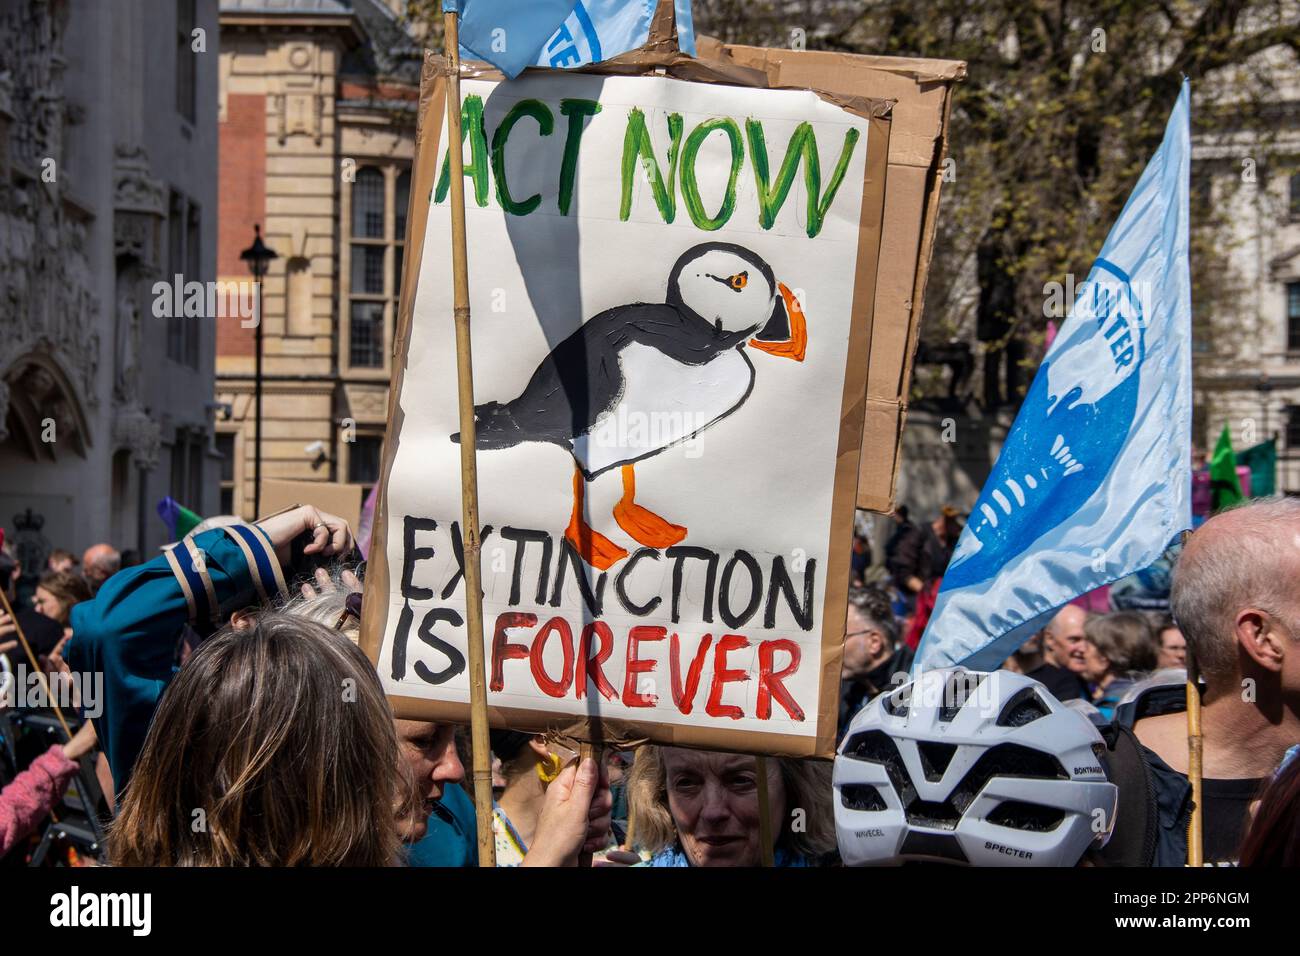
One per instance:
(129, 633)
(452, 839)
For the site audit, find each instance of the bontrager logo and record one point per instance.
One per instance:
(103, 909)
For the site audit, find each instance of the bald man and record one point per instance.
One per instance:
(1236, 601)
(1062, 645)
(99, 563)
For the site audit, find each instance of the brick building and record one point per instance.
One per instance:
(316, 139)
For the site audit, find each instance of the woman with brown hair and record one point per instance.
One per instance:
(700, 808)
(57, 593)
(273, 746)
(1119, 650)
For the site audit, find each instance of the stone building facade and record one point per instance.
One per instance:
(317, 137)
(107, 186)
(1252, 381)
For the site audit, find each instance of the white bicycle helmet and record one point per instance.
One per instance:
(985, 769)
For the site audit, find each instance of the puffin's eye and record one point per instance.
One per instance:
(738, 281)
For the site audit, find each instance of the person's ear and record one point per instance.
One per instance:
(537, 743)
(1260, 636)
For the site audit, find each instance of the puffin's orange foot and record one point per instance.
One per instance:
(596, 549)
(647, 527)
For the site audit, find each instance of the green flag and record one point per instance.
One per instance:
(179, 519)
(1225, 489)
(1261, 459)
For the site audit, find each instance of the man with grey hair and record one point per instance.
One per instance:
(873, 654)
(1236, 601)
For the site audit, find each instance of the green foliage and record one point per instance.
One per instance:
(1064, 103)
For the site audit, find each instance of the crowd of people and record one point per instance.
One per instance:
(240, 724)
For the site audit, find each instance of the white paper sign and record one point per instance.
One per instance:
(661, 281)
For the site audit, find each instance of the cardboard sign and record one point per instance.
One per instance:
(671, 290)
(336, 498)
(921, 91)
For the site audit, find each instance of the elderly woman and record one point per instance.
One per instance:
(1119, 649)
(700, 808)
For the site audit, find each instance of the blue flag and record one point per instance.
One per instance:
(1094, 479)
(514, 34)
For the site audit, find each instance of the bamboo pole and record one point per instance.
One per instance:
(1195, 826)
(482, 762)
(764, 815)
(36, 667)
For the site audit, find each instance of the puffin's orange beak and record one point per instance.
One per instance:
(797, 344)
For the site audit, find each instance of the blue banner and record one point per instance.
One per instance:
(514, 34)
(1094, 479)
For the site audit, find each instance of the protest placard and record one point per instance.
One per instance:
(671, 287)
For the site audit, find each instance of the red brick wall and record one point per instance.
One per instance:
(241, 201)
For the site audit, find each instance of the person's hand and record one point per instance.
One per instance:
(331, 535)
(81, 743)
(325, 585)
(599, 815)
(562, 827)
(60, 673)
(619, 858)
(8, 633)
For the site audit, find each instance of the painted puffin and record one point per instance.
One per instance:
(680, 363)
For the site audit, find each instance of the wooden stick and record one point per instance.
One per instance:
(764, 815)
(482, 762)
(1195, 826)
(36, 667)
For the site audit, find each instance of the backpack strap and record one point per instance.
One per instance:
(1137, 825)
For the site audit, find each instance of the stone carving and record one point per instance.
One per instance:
(135, 430)
(126, 340)
(46, 282)
(135, 188)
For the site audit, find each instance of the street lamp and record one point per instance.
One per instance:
(258, 256)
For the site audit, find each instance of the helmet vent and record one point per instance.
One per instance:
(960, 687)
(939, 816)
(1024, 708)
(1018, 815)
(935, 759)
(875, 746)
(1004, 760)
(862, 796)
(895, 703)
